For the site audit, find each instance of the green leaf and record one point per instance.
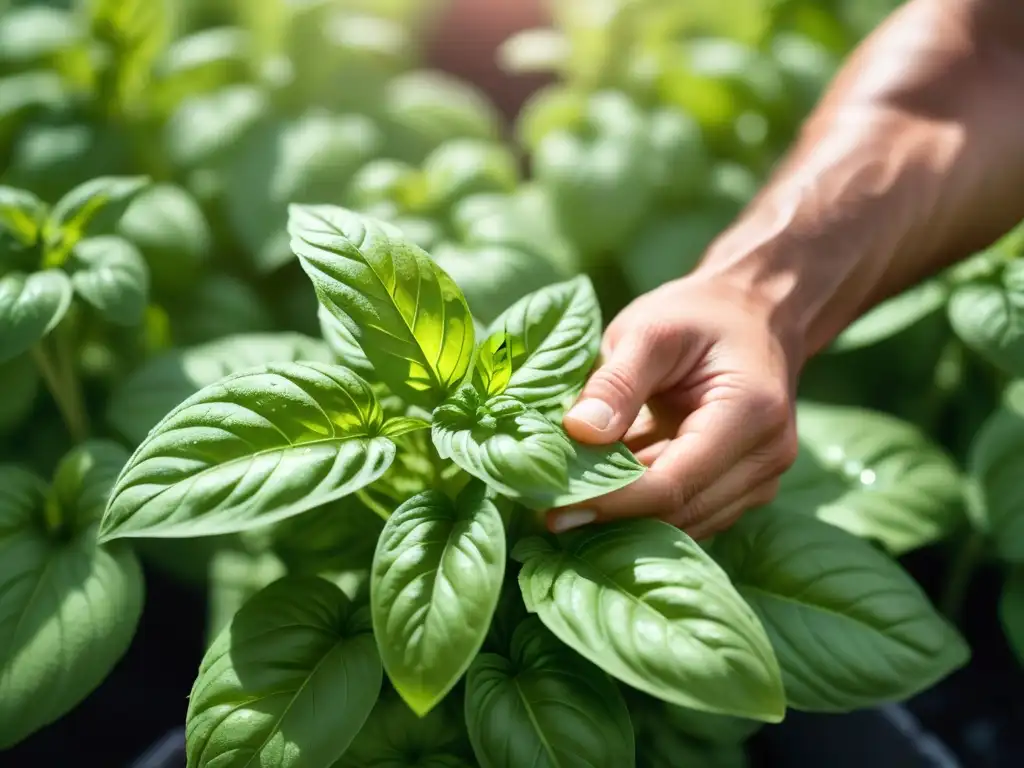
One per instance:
(68, 607)
(646, 604)
(995, 494)
(21, 215)
(202, 62)
(670, 246)
(308, 160)
(602, 175)
(494, 364)
(988, 316)
(289, 682)
(872, 475)
(162, 383)
(851, 629)
(385, 184)
(428, 108)
(684, 162)
(235, 577)
(249, 450)
(167, 225)
(492, 277)
(343, 344)
(75, 211)
(545, 707)
(436, 578)
(205, 129)
(1011, 611)
(555, 335)
(30, 307)
(464, 167)
(661, 746)
(220, 305)
(110, 275)
(336, 537)
(37, 36)
(85, 478)
(408, 316)
(395, 737)
(707, 728)
(522, 455)
(894, 316)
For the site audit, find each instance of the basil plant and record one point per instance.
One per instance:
(425, 617)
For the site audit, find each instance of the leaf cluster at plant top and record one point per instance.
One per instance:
(356, 473)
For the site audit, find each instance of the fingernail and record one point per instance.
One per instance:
(572, 518)
(596, 413)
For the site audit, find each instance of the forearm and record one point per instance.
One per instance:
(913, 160)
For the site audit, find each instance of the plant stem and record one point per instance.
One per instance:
(60, 379)
(52, 514)
(959, 578)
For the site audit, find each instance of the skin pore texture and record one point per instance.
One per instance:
(913, 159)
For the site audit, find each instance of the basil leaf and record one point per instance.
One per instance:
(84, 479)
(202, 62)
(343, 344)
(386, 183)
(701, 645)
(988, 316)
(492, 277)
(162, 383)
(395, 737)
(995, 494)
(522, 455)
(309, 159)
(76, 210)
(436, 578)
(555, 335)
(873, 475)
(110, 275)
(408, 316)
(68, 607)
(707, 728)
(289, 682)
(30, 307)
(894, 316)
(21, 215)
(37, 36)
(659, 745)
(601, 175)
(1011, 611)
(671, 246)
(545, 707)
(204, 129)
(493, 364)
(235, 577)
(683, 159)
(167, 225)
(464, 167)
(336, 537)
(427, 108)
(851, 629)
(220, 305)
(252, 449)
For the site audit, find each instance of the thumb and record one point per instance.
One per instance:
(616, 391)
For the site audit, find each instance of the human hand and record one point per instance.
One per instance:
(699, 382)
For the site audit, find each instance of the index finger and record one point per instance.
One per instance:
(712, 440)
